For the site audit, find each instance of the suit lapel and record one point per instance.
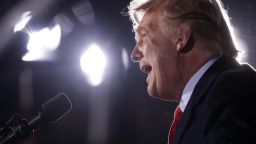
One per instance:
(199, 92)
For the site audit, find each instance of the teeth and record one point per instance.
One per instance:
(144, 69)
(147, 80)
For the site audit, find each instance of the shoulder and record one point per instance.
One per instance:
(225, 81)
(234, 86)
(242, 76)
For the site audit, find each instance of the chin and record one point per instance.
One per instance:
(153, 94)
(162, 98)
(150, 93)
(165, 97)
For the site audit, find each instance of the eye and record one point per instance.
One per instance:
(143, 33)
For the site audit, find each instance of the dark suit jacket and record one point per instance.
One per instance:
(221, 109)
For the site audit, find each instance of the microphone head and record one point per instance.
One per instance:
(55, 108)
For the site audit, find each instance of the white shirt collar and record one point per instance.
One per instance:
(187, 92)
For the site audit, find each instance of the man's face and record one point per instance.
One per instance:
(157, 54)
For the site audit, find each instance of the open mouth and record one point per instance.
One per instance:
(146, 69)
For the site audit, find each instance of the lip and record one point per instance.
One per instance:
(145, 68)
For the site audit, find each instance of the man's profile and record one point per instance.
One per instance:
(187, 50)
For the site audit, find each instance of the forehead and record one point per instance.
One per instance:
(148, 22)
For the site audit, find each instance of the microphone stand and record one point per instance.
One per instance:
(51, 111)
(15, 129)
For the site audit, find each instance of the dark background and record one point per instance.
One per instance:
(132, 116)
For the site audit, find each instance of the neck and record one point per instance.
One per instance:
(191, 62)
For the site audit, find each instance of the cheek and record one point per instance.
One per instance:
(163, 49)
(166, 73)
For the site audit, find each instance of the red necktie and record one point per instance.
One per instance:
(175, 123)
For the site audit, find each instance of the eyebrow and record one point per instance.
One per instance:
(146, 27)
(140, 28)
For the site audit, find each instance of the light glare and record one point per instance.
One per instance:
(42, 43)
(240, 46)
(125, 59)
(93, 63)
(34, 55)
(25, 18)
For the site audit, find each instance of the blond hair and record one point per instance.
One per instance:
(208, 20)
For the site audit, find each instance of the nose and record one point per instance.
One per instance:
(136, 54)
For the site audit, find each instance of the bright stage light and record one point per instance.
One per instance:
(125, 59)
(93, 63)
(25, 18)
(42, 43)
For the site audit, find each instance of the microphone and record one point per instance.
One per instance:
(51, 111)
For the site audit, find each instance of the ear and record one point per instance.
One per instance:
(184, 39)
